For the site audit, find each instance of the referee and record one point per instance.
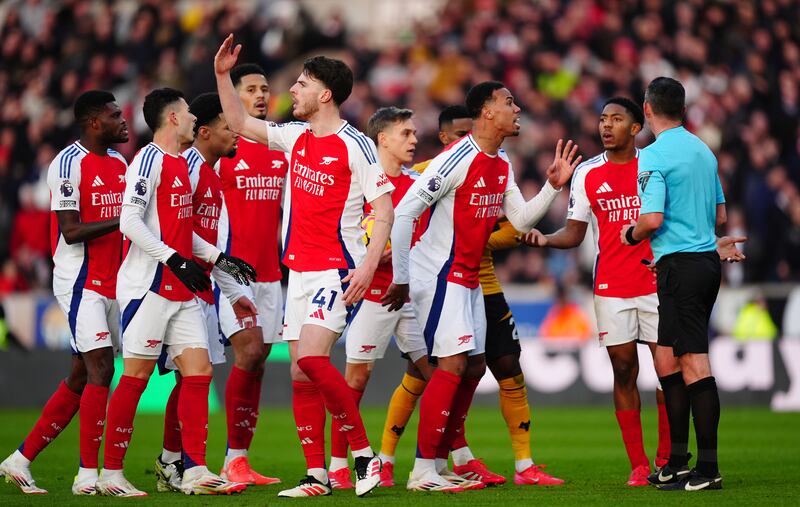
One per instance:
(681, 204)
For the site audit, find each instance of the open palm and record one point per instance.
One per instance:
(564, 163)
(225, 59)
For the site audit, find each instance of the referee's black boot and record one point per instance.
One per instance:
(667, 475)
(694, 481)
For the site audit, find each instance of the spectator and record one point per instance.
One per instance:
(739, 61)
(565, 320)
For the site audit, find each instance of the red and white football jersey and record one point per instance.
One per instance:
(158, 183)
(92, 185)
(330, 177)
(383, 275)
(467, 189)
(252, 183)
(605, 194)
(206, 206)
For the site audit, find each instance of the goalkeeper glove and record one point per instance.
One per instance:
(241, 271)
(189, 273)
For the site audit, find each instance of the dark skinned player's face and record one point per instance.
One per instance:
(455, 130)
(112, 125)
(617, 128)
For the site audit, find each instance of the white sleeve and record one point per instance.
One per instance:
(204, 250)
(140, 180)
(409, 209)
(366, 168)
(227, 285)
(133, 227)
(282, 136)
(525, 215)
(64, 179)
(579, 207)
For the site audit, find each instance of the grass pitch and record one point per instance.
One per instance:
(759, 456)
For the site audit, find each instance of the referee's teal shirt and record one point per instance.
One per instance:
(678, 177)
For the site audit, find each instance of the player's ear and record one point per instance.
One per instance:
(443, 137)
(636, 128)
(381, 138)
(326, 95)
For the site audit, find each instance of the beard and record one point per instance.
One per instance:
(231, 153)
(306, 113)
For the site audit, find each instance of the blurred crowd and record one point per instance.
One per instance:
(739, 62)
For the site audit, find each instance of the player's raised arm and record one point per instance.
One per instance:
(524, 215)
(238, 119)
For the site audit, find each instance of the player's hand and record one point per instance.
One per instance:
(359, 280)
(386, 256)
(624, 231)
(395, 297)
(535, 238)
(241, 271)
(189, 273)
(245, 312)
(564, 164)
(650, 265)
(726, 248)
(225, 59)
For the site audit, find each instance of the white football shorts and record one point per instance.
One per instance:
(624, 320)
(315, 297)
(373, 326)
(93, 320)
(268, 298)
(150, 323)
(452, 317)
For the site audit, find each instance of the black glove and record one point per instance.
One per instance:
(189, 273)
(241, 271)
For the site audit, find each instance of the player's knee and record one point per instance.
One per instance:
(457, 365)
(625, 372)
(102, 373)
(76, 381)
(506, 366)
(250, 355)
(297, 374)
(357, 376)
(475, 370)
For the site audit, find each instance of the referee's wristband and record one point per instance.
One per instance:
(629, 237)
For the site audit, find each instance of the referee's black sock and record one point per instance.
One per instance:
(676, 400)
(704, 398)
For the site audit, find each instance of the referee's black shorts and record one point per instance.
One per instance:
(502, 338)
(687, 285)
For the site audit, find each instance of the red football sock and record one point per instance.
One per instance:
(172, 427)
(93, 420)
(239, 408)
(193, 417)
(309, 417)
(121, 411)
(664, 443)
(255, 402)
(56, 414)
(336, 395)
(454, 437)
(631, 425)
(338, 437)
(436, 403)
